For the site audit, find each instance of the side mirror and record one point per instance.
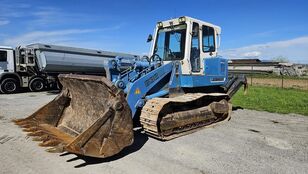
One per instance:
(150, 38)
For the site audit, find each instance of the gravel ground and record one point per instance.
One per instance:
(251, 142)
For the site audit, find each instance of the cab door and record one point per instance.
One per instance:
(7, 60)
(3, 60)
(195, 49)
(203, 46)
(208, 45)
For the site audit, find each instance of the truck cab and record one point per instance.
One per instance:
(17, 67)
(9, 80)
(6, 59)
(36, 66)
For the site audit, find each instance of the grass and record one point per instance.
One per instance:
(273, 99)
(270, 76)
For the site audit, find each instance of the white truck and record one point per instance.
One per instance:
(37, 66)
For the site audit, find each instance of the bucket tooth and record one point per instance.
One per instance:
(18, 121)
(26, 125)
(36, 133)
(37, 139)
(30, 129)
(41, 138)
(22, 121)
(56, 149)
(51, 142)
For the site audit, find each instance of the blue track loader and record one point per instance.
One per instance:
(181, 87)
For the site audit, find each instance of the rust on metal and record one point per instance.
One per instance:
(169, 118)
(89, 117)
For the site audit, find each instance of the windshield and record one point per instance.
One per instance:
(170, 43)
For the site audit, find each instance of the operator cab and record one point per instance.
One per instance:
(187, 40)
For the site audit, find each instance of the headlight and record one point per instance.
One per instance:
(182, 19)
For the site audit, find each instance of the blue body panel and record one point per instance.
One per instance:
(144, 80)
(215, 74)
(138, 89)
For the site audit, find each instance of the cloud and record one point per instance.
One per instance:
(53, 25)
(13, 10)
(4, 22)
(42, 17)
(294, 49)
(46, 36)
(47, 16)
(51, 15)
(252, 54)
(265, 33)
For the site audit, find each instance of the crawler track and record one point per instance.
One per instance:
(168, 118)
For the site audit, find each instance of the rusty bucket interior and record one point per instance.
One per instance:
(90, 117)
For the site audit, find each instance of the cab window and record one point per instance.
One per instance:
(3, 56)
(208, 39)
(195, 49)
(170, 44)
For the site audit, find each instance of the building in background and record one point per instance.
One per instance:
(257, 66)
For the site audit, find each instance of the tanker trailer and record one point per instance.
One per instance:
(37, 66)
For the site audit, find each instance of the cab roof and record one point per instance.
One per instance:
(6, 47)
(175, 21)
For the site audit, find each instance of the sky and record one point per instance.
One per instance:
(263, 29)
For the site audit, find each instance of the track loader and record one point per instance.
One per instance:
(183, 86)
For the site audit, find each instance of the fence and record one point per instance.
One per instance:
(278, 81)
(270, 75)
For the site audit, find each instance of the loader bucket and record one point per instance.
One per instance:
(90, 117)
